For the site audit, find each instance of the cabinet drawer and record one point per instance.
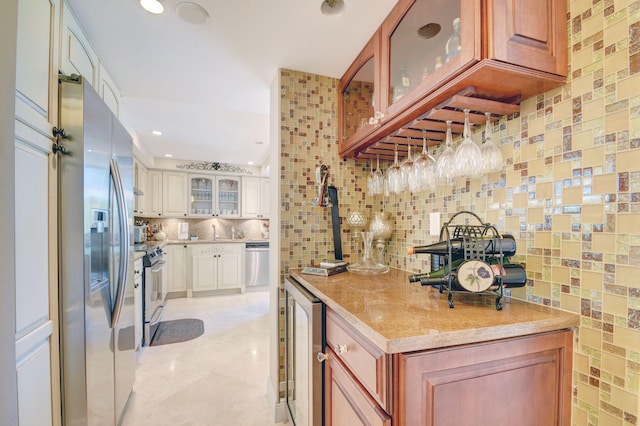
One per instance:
(369, 364)
(347, 403)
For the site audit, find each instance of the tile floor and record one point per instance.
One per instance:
(217, 379)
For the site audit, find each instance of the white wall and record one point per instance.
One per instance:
(274, 248)
(8, 387)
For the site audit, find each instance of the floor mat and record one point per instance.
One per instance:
(176, 331)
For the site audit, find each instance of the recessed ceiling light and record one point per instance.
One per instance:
(250, 163)
(152, 6)
(168, 155)
(156, 132)
(332, 7)
(192, 13)
(259, 142)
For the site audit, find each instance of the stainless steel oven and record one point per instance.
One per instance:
(154, 290)
(304, 345)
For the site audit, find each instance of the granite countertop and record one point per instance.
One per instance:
(218, 240)
(398, 316)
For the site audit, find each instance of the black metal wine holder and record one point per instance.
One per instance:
(473, 238)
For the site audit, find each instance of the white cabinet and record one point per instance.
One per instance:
(217, 266)
(227, 195)
(140, 177)
(36, 337)
(36, 66)
(174, 194)
(108, 90)
(255, 197)
(179, 194)
(176, 268)
(77, 55)
(264, 198)
(217, 196)
(201, 195)
(154, 189)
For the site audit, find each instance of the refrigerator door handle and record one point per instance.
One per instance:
(124, 243)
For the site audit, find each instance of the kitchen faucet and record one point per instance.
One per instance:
(214, 232)
(233, 233)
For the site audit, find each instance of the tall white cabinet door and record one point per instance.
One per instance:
(36, 58)
(255, 197)
(174, 194)
(250, 197)
(108, 90)
(264, 198)
(37, 55)
(77, 55)
(34, 325)
(154, 187)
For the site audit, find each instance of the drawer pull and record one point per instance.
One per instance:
(341, 349)
(322, 357)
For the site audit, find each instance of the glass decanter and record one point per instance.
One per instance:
(369, 265)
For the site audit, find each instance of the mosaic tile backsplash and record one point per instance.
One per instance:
(569, 193)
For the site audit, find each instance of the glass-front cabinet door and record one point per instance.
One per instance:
(426, 42)
(201, 195)
(228, 196)
(359, 93)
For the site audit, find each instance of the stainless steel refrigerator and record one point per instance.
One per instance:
(95, 166)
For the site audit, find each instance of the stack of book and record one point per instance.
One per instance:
(326, 268)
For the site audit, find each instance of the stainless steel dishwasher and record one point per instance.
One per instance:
(257, 263)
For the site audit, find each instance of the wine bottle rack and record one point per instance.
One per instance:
(474, 234)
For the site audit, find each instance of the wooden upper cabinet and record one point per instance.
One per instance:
(427, 51)
(531, 34)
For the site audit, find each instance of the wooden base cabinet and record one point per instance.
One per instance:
(523, 381)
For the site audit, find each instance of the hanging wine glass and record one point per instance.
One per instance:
(378, 182)
(406, 170)
(424, 167)
(446, 161)
(371, 181)
(467, 158)
(491, 155)
(394, 176)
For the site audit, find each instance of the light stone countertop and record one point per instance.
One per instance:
(398, 316)
(219, 240)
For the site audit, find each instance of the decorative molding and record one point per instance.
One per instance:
(214, 167)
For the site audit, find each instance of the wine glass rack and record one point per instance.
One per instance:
(474, 239)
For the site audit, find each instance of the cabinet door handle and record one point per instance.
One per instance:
(322, 357)
(341, 349)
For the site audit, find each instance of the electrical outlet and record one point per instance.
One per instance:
(434, 224)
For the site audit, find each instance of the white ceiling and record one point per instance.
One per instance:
(206, 87)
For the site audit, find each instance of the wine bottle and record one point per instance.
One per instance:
(492, 246)
(513, 275)
(403, 83)
(442, 272)
(453, 46)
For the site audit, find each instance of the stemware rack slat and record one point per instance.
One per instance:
(434, 123)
